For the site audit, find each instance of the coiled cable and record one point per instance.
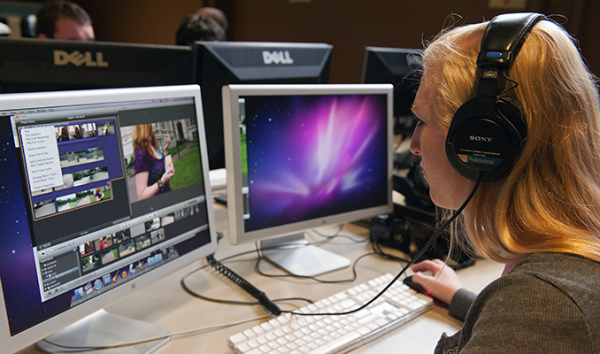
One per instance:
(262, 298)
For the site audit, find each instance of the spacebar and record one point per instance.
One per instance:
(336, 344)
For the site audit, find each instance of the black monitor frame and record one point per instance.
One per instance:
(33, 65)
(221, 63)
(400, 67)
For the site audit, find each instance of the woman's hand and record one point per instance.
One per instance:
(167, 176)
(443, 282)
(167, 143)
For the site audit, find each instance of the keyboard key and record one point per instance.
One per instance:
(238, 338)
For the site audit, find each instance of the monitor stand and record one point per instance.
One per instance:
(300, 258)
(103, 328)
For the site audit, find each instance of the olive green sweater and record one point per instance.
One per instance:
(548, 303)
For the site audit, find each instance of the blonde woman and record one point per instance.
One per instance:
(542, 220)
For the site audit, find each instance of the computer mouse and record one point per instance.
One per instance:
(411, 284)
(419, 288)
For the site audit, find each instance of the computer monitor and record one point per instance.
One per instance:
(401, 68)
(33, 65)
(78, 231)
(222, 63)
(304, 156)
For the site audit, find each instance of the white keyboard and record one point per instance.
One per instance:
(298, 334)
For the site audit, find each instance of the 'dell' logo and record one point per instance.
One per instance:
(279, 57)
(77, 58)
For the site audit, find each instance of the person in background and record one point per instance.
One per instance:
(207, 24)
(218, 17)
(197, 28)
(61, 19)
(542, 220)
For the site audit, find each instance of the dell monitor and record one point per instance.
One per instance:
(222, 63)
(401, 68)
(79, 231)
(33, 65)
(304, 156)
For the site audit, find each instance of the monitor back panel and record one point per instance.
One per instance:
(32, 65)
(223, 63)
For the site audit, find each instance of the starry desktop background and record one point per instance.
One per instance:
(17, 265)
(311, 156)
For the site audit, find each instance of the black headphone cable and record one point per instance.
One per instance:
(411, 262)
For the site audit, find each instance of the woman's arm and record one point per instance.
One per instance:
(144, 191)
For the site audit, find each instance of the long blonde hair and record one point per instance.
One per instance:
(144, 138)
(550, 202)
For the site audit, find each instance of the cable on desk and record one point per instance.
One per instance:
(377, 249)
(257, 250)
(230, 302)
(337, 234)
(262, 298)
(326, 238)
(260, 257)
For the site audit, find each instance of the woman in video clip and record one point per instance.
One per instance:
(105, 129)
(98, 195)
(151, 177)
(64, 135)
(542, 220)
(77, 133)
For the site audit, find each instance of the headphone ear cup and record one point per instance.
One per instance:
(487, 133)
(486, 143)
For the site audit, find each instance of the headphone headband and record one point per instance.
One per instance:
(504, 37)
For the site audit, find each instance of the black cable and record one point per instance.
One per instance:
(234, 302)
(377, 250)
(412, 261)
(229, 302)
(326, 238)
(350, 280)
(337, 235)
(246, 303)
(262, 298)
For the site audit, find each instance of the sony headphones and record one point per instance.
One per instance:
(488, 131)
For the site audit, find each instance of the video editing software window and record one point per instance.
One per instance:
(79, 173)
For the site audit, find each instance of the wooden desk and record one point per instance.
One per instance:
(166, 303)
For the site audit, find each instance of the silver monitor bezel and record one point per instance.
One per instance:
(231, 94)
(19, 101)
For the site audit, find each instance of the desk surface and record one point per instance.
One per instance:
(165, 302)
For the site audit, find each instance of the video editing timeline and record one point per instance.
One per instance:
(91, 230)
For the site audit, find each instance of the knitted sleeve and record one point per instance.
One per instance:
(460, 304)
(520, 313)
